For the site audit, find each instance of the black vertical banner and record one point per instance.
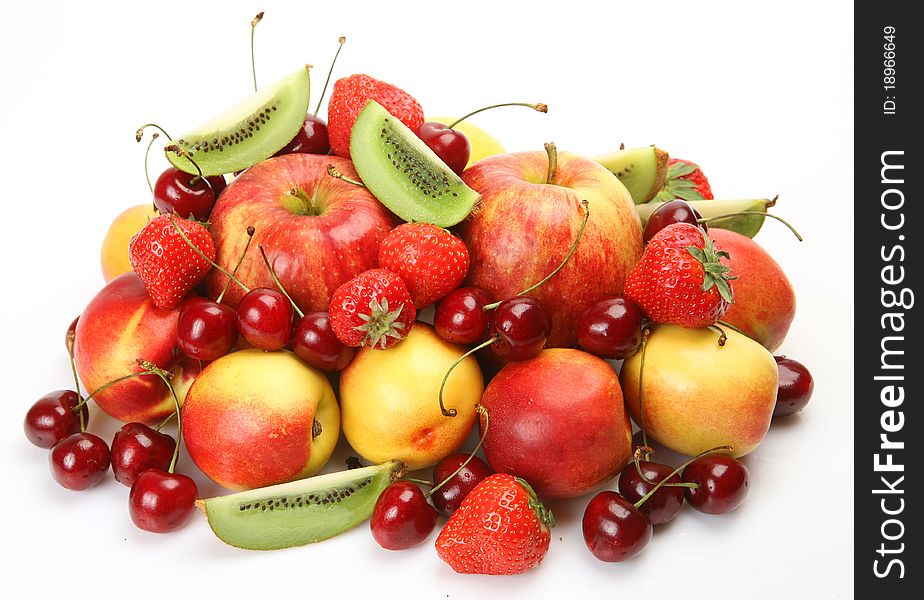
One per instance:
(889, 226)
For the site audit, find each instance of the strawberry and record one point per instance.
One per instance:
(430, 260)
(685, 180)
(372, 309)
(680, 278)
(350, 96)
(499, 529)
(167, 264)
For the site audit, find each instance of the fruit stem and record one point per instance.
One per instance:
(420, 481)
(341, 40)
(722, 336)
(83, 402)
(207, 259)
(279, 283)
(240, 261)
(646, 331)
(732, 327)
(147, 153)
(753, 212)
(676, 471)
(253, 62)
(139, 133)
(539, 106)
(70, 352)
(336, 174)
(199, 177)
(452, 412)
(166, 420)
(481, 411)
(586, 205)
(553, 162)
(176, 403)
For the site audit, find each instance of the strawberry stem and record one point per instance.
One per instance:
(452, 412)
(279, 283)
(539, 106)
(753, 212)
(664, 482)
(481, 411)
(341, 40)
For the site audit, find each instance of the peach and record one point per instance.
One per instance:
(114, 251)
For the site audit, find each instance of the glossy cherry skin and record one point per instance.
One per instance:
(614, 530)
(795, 387)
(461, 318)
(160, 502)
(451, 145)
(402, 517)
(51, 418)
(264, 318)
(310, 139)
(664, 504)
(723, 483)
(316, 344)
(610, 328)
(79, 461)
(136, 448)
(178, 192)
(675, 211)
(521, 327)
(448, 498)
(206, 330)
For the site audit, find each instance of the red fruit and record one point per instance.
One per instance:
(372, 309)
(166, 263)
(723, 483)
(614, 530)
(79, 461)
(316, 343)
(680, 278)
(685, 180)
(500, 529)
(349, 97)
(52, 418)
(461, 318)
(160, 501)
(137, 448)
(431, 261)
(663, 505)
(449, 497)
(402, 518)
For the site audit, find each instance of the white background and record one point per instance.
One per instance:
(759, 94)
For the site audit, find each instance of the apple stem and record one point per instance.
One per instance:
(253, 62)
(341, 40)
(539, 107)
(279, 283)
(207, 259)
(240, 261)
(83, 402)
(147, 153)
(176, 403)
(483, 412)
(586, 206)
(553, 162)
(139, 133)
(166, 420)
(70, 352)
(336, 174)
(452, 412)
(722, 335)
(753, 212)
(664, 482)
(646, 331)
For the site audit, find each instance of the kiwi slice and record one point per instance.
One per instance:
(747, 225)
(250, 131)
(642, 170)
(404, 173)
(300, 512)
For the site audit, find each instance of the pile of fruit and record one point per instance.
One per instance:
(237, 306)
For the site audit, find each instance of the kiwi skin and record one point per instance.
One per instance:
(642, 170)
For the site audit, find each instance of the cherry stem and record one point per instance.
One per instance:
(240, 261)
(83, 402)
(676, 471)
(646, 331)
(199, 176)
(176, 403)
(253, 62)
(279, 283)
(481, 411)
(166, 420)
(70, 352)
(733, 328)
(420, 481)
(553, 162)
(207, 259)
(722, 335)
(539, 106)
(753, 212)
(147, 153)
(341, 40)
(577, 239)
(139, 133)
(336, 174)
(452, 412)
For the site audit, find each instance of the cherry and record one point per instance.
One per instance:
(521, 327)
(447, 498)
(451, 145)
(160, 501)
(136, 448)
(264, 318)
(178, 192)
(722, 483)
(52, 418)
(310, 139)
(206, 329)
(795, 387)
(79, 461)
(402, 517)
(316, 344)
(460, 317)
(664, 504)
(614, 530)
(675, 211)
(610, 328)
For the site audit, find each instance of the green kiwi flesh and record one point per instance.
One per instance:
(642, 170)
(747, 225)
(404, 173)
(248, 132)
(300, 512)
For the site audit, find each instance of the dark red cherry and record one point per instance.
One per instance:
(614, 530)
(136, 448)
(521, 327)
(310, 139)
(316, 344)
(402, 517)
(206, 330)
(52, 418)
(79, 461)
(160, 502)
(264, 318)
(460, 317)
(448, 498)
(183, 194)
(675, 211)
(723, 483)
(610, 328)
(795, 386)
(451, 145)
(663, 505)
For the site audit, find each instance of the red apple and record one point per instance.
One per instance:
(318, 231)
(765, 302)
(119, 326)
(558, 421)
(525, 227)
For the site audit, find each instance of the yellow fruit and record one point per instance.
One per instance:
(390, 405)
(483, 143)
(114, 251)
